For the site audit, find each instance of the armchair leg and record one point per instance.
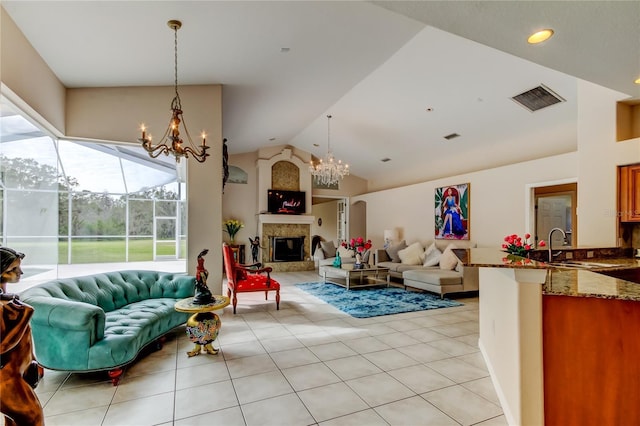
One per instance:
(266, 295)
(235, 302)
(278, 300)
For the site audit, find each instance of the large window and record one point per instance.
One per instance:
(76, 202)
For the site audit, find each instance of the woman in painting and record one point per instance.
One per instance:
(19, 372)
(452, 214)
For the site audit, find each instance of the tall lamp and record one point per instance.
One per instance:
(390, 235)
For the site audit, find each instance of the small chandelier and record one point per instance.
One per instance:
(327, 171)
(172, 143)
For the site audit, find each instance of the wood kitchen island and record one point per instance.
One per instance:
(561, 343)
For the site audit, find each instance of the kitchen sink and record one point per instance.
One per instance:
(629, 274)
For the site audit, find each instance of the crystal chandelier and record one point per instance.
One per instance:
(327, 171)
(171, 142)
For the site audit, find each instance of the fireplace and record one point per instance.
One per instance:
(286, 249)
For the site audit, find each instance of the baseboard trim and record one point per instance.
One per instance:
(501, 396)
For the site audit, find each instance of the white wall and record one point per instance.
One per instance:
(328, 212)
(598, 156)
(240, 201)
(29, 78)
(498, 196)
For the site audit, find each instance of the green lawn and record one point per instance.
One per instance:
(113, 250)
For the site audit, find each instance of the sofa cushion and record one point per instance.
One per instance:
(328, 248)
(404, 267)
(393, 266)
(432, 255)
(345, 252)
(393, 250)
(433, 276)
(449, 260)
(412, 255)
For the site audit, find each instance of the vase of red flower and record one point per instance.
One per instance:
(514, 244)
(358, 245)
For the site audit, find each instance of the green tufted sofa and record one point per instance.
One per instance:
(102, 321)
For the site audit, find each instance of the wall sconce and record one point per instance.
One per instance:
(390, 235)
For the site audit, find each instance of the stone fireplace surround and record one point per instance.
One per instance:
(296, 177)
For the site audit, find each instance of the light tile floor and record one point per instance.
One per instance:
(306, 364)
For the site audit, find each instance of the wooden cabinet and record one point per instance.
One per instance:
(629, 193)
(591, 369)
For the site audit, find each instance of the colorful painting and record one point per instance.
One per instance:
(452, 212)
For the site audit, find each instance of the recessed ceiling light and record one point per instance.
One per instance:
(540, 36)
(429, 109)
(285, 49)
(385, 160)
(272, 139)
(637, 81)
(316, 145)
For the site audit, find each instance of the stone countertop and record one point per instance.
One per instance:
(568, 281)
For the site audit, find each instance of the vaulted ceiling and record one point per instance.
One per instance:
(397, 76)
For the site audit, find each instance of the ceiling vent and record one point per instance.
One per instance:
(538, 98)
(451, 136)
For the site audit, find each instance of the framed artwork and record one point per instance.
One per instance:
(237, 175)
(452, 212)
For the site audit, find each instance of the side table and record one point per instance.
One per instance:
(203, 326)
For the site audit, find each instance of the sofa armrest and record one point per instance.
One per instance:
(470, 278)
(68, 315)
(381, 255)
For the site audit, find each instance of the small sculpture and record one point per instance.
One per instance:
(255, 246)
(225, 163)
(203, 294)
(19, 371)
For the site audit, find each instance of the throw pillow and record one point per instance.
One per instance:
(449, 260)
(412, 255)
(393, 251)
(345, 252)
(328, 248)
(432, 255)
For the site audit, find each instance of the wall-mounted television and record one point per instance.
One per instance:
(286, 202)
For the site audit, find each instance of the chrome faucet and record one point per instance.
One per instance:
(551, 242)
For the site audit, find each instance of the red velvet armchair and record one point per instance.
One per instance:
(247, 278)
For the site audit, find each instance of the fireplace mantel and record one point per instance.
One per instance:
(292, 219)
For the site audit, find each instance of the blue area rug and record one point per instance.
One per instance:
(370, 302)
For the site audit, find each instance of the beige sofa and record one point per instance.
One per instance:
(325, 254)
(447, 275)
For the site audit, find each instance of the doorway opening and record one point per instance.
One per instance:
(555, 207)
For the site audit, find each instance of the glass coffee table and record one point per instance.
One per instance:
(349, 277)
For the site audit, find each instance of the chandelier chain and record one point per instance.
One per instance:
(175, 65)
(329, 133)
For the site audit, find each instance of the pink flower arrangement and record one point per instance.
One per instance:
(517, 245)
(359, 245)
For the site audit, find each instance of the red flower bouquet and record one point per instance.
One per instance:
(519, 246)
